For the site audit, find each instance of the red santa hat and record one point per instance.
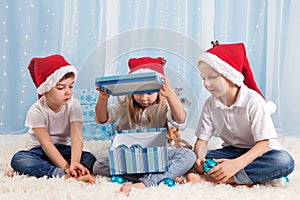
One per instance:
(47, 72)
(147, 64)
(231, 61)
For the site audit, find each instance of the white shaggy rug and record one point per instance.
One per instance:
(23, 187)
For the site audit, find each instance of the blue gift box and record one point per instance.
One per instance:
(94, 131)
(90, 129)
(130, 83)
(86, 96)
(138, 151)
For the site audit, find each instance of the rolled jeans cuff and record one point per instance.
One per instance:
(242, 178)
(58, 172)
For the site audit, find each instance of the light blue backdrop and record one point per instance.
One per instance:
(99, 36)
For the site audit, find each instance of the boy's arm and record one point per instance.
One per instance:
(257, 150)
(227, 168)
(200, 150)
(49, 148)
(76, 149)
(177, 110)
(101, 115)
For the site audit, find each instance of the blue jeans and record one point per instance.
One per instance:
(180, 161)
(36, 163)
(271, 165)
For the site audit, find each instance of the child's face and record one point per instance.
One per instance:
(214, 82)
(60, 94)
(145, 99)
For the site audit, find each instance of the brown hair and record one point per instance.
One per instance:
(67, 75)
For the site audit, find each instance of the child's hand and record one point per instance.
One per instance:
(77, 169)
(68, 173)
(166, 89)
(198, 165)
(225, 169)
(103, 94)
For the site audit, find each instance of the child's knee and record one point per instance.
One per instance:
(190, 155)
(286, 160)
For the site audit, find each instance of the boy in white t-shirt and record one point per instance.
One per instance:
(55, 121)
(239, 114)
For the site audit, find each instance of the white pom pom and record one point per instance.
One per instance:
(272, 107)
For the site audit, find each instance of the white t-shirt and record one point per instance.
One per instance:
(242, 124)
(57, 124)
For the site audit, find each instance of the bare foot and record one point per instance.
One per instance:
(179, 180)
(126, 188)
(86, 178)
(242, 186)
(198, 178)
(10, 173)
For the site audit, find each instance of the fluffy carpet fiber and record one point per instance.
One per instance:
(23, 187)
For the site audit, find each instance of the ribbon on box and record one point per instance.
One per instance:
(134, 146)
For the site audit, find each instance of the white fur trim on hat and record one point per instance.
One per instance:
(54, 78)
(145, 70)
(222, 67)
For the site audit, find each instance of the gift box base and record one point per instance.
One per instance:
(138, 151)
(138, 160)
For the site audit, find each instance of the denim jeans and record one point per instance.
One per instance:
(271, 165)
(181, 160)
(36, 163)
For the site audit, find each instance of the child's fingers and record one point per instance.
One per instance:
(82, 170)
(102, 92)
(86, 171)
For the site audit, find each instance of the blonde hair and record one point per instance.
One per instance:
(156, 112)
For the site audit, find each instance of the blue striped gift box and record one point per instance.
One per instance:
(138, 160)
(126, 84)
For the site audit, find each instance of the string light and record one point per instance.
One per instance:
(257, 26)
(4, 66)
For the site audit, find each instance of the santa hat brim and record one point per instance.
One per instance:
(222, 67)
(145, 70)
(55, 77)
(228, 72)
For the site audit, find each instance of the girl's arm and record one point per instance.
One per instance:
(49, 148)
(76, 149)
(177, 110)
(227, 168)
(101, 107)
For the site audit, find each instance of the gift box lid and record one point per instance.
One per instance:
(130, 83)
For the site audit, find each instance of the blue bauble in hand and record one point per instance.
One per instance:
(209, 164)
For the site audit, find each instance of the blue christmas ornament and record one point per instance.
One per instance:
(122, 146)
(134, 146)
(209, 164)
(285, 179)
(168, 182)
(117, 179)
